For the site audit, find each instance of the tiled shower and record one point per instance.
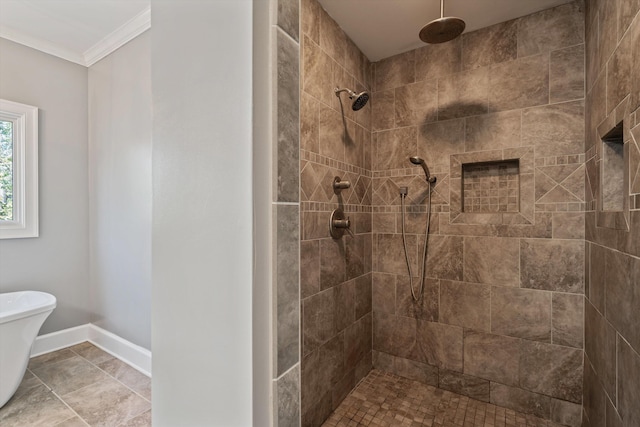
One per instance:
(532, 287)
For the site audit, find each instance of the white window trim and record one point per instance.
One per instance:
(25, 170)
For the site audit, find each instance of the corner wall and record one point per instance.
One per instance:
(58, 260)
(120, 191)
(335, 281)
(612, 311)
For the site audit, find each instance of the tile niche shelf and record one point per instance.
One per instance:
(493, 187)
(612, 160)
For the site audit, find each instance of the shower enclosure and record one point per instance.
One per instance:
(501, 124)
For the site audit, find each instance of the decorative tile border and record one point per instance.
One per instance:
(525, 158)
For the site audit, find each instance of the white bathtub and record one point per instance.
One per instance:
(21, 316)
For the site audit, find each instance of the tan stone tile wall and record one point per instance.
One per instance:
(335, 275)
(502, 315)
(612, 268)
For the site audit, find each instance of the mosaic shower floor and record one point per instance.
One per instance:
(384, 399)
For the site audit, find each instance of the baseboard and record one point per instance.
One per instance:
(59, 340)
(132, 354)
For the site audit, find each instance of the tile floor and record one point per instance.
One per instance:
(79, 386)
(384, 399)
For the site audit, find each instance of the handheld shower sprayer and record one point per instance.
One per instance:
(359, 99)
(420, 161)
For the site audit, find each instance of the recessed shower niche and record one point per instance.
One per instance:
(493, 187)
(613, 169)
(613, 180)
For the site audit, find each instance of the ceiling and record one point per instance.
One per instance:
(81, 31)
(85, 31)
(383, 28)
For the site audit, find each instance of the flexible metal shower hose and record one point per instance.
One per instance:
(424, 251)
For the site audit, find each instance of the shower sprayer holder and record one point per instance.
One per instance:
(338, 224)
(339, 185)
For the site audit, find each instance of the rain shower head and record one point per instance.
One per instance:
(443, 29)
(420, 161)
(359, 99)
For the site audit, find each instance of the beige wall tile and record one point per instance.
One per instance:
(416, 103)
(628, 386)
(444, 257)
(600, 348)
(394, 147)
(426, 308)
(449, 60)
(520, 400)
(437, 141)
(593, 397)
(490, 45)
(522, 313)
(394, 334)
(492, 357)
(465, 304)
(493, 131)
(622, 302)
(555, 265)
(551, 370)
(566, 74)
(492, 260)
(551, 29)
(318, 320)
(383, 110)
(395, 71)
(467, 385)
(521, 83)
(463, 94)
(384, 293)
(439, 345)
(567, 319)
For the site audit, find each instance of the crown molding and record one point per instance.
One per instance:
(132, 29)
(127, 32)
(41, 45)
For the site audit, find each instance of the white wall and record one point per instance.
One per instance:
(202, 219)
(58, 260)
(263, 396)
(120, 191)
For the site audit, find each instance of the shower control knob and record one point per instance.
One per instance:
(338, 224)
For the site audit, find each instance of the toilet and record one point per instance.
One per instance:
(21, 316)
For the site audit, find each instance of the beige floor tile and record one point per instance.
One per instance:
(36, 406)
(49, 358)
(73, 422)
(128, 376)
(143, 420)
(106, 403)
(69, 375)
(28, 381)
(92, 353)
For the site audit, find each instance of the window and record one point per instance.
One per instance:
(18, 170)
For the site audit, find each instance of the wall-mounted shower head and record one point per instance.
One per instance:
(420, 161)
(359, 99)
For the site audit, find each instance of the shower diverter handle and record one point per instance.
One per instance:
(338, 224)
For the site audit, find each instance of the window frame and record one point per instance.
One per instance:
(25, 170)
